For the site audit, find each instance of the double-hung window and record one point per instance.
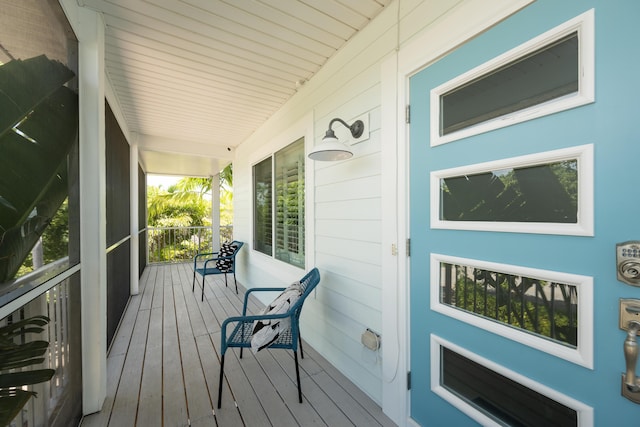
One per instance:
(278, 205)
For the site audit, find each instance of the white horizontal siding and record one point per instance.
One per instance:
(345, 208)
(349, 355)
(347, 200)
(367, 231)
(354, 281)
(358, 188)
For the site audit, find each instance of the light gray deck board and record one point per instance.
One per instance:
(198, 400)
(270, 398)
(150, 400)
(363, 400)
(211, 367)
(126, 402)
(146, 286)
(163, 368)
(174, 405)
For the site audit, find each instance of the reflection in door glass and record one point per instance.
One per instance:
(546, 193)
(506, 401)
(547, 309)
(538, 77)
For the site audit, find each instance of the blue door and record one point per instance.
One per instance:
(524, 157)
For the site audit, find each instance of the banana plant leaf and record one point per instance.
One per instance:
(38, 128)
(19, 379)
(18, 356)
(11, 403)
(23, 355)
(16, 328)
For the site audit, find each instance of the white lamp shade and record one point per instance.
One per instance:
(330, 149)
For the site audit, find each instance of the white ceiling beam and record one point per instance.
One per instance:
(179, 146)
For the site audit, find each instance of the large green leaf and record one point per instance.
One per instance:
(18, 241)
(16, 328)
(19, 379)
(38, 128)
(26, 84)
(20, 355)
(11, 402)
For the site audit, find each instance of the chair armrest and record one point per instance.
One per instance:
(249, 291)
(216, 259)
(204, 254)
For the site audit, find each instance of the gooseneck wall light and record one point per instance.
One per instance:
(332, 149)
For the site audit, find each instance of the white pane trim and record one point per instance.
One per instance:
(582, 355)
(585, 412)
(583, 24)
(584, 226)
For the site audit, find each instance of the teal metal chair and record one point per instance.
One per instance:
(221, 263)
(241, 334)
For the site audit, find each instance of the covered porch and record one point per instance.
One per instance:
(152, 102)
(163, 367)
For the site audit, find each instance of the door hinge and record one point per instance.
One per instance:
(408, 249)
(407, 114)
(409, 380)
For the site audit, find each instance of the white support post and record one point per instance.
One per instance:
(215, 211)
(133, 209)
(93, 258)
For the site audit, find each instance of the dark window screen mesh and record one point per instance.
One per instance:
(118, 222)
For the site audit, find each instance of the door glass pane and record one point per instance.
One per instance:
(262, 207)
(289, 221)
(506, 401)
(545, 308)
(543, 75)
(546, 193)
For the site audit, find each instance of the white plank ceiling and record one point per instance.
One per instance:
(195, 78)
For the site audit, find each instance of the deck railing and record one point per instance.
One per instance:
(180, 244)
(62, 332)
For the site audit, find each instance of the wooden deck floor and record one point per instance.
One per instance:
(163, 367)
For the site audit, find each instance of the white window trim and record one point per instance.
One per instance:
(585, 412)
(585, 224)
(583, 24)
(303, 128)
(582, 355)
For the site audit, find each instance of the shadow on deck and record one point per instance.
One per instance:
(163, 367)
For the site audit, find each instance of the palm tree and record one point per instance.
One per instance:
(186, 199)
(185, 205)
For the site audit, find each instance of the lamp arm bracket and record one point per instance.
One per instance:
(357, 128)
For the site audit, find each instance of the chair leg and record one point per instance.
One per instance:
(300, 342)
(235, 281)
(193, 287)
(220, 383)
(203, 282)
(295, 353)
(225, 280)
